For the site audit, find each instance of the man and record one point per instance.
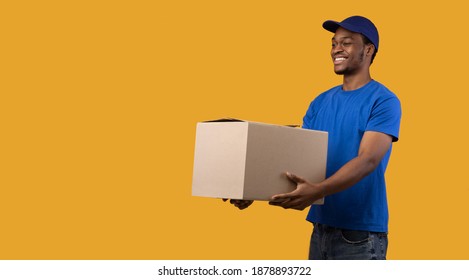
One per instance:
(362, 118)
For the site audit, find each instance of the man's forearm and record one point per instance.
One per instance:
(348, 175)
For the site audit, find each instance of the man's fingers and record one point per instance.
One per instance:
(244, 204)
(295, 204)
(295, 178)
(237, 202)
(285, 196)
(278, 201)
(278, 198)
(242, 207)
(241, 204)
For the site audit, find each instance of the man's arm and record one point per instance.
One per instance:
(373, 147)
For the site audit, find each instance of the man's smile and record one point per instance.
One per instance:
(338, 60)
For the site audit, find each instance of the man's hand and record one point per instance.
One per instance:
(241, 204)
(305, 194)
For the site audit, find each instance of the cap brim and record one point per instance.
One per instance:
(331, 25)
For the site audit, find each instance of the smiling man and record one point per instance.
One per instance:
(362, 118)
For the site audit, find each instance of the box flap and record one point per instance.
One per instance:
(225, 120)
(238, 120)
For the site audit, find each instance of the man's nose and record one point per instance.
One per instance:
(336, 49)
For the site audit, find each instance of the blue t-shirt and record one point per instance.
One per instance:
(346, 115)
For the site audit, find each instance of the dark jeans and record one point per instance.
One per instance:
(329, 243)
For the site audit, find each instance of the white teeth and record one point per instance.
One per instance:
(339, 58)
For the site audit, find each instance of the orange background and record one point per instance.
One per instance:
(99, 102)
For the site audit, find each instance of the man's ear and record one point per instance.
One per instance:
(370, 49)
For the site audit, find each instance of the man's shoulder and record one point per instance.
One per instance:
(381, 89)
(383, 97)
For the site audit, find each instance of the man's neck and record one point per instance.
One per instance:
(353, 82)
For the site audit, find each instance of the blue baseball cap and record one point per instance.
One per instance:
(356, 24)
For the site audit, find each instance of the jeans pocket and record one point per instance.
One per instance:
(355, 236)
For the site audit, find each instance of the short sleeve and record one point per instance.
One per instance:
(386, 117)
(307, 119)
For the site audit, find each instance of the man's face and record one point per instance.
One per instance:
(348, 52)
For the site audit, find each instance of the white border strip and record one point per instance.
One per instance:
(152, 269)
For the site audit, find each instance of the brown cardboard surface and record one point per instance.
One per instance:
(248, 160)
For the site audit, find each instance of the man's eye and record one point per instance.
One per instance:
(346, 43)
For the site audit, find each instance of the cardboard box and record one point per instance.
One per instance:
(248, 160)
